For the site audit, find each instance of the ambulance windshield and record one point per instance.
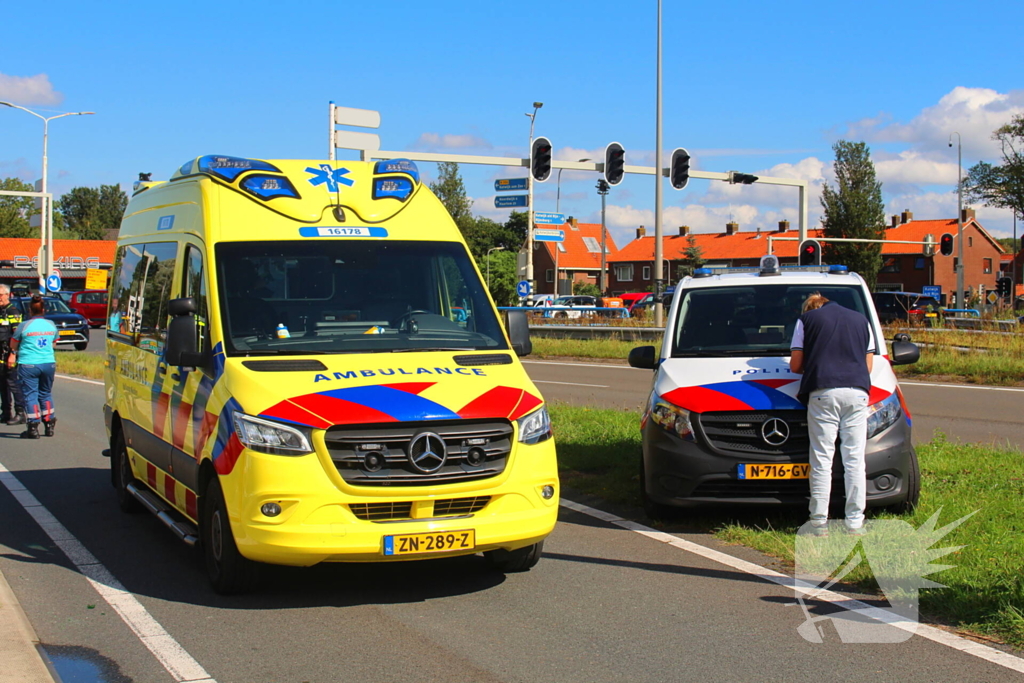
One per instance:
(749, 320)
(352, 296)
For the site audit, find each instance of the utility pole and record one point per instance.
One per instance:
(961, 296)
(602, 189)
(529, 214)
(659, 271)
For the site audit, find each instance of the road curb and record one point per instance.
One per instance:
(19, 644)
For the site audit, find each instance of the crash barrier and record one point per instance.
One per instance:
(972, 312)
(979, 324)
(593, 332)
(553, 311)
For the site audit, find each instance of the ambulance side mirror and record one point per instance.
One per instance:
(183, 335)
(519, 333)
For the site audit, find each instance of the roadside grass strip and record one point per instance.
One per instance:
(599, 451)
(80, 363)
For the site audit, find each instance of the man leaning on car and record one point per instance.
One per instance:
(11, 409)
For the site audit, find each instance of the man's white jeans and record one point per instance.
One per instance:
(844, 412)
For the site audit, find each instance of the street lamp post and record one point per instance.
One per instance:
(558, 193)
(529, 211)
(961, 298)
(659, 270)
(489, 265)
(46, 218)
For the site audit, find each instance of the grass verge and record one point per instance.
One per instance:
(81, 364)
(598, 453)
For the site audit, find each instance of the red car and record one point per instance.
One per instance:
(91, 304)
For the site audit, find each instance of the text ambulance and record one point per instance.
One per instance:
(304, 367)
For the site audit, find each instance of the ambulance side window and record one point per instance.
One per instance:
(143, 276)
(194, 285)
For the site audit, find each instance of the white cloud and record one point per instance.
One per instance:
(912, 167)
(973, 112)
(433, 141)
(29, 90)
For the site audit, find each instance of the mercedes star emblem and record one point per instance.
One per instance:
(427, 452)
(774, 431)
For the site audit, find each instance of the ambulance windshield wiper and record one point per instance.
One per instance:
(435, 348)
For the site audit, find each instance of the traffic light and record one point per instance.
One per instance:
(614, 163)
(540, 159)
(1003, 286)
(679, 169)
(810, 253)
(741, 178)
(946, 244)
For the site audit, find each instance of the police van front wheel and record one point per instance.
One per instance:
(511, 561)
(229, 572)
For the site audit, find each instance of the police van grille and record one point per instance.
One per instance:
(739, 432)
(753, 488)
(475, 449)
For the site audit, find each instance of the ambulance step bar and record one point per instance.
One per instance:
(182, 529)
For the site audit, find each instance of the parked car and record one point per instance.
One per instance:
(631, 298)
(90, 304)
(563, 305)
(72, 328)
(905, 307)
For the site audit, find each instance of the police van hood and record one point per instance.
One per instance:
(730, 384)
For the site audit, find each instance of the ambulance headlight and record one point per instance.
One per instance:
(535, 427)
(883, 415)
(275, 438)
(671, 418)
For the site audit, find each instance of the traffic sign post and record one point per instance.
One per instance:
(523, 288)
(511, 201)
(540, 218)
(548, 235)
(511, 184)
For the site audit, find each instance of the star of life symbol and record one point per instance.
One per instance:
(894, 552)
(332, 176)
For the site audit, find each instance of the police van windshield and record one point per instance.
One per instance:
(749, 321)
(352, 296)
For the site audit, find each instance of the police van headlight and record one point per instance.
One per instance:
(883, 415)
(671, 417)
(535, 427)
(274, 438)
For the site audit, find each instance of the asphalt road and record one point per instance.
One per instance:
(605, 603)
(972, 414)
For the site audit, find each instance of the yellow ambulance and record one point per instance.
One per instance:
(303, 366)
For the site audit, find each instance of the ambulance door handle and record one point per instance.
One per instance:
(161, 368)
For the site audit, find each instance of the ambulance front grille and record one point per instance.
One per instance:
(387, 512)
(378, 455)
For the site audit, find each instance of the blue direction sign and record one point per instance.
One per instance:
(934, 291)
(548, 218)
(511, 201)
(548, 235)
(53, 282)
(510, 184)
(523, 288)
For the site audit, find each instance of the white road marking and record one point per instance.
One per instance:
(985, 652)
(171, 655)
(80, 379)
(581, 365)
(961, 386)
(570, 384)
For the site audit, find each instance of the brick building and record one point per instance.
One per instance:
(578, 257)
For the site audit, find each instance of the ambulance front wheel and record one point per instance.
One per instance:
(229, 572)
(511, 561)
(121, 476)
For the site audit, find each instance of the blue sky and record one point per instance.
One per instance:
(747, 86)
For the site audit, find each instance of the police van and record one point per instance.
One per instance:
(723, 424)
(303, 366)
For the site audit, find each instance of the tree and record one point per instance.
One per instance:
(693, 258)
(854, 210)
(89, 212)
(585, 289)
(1001, 186)
(16, 211)
(503, 278)
(450, 189)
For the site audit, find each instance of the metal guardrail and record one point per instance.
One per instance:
(596, 332)
(550, 311)
(973, 311)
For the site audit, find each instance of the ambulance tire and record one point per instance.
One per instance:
(512, 561)
(229, 572)
(121, 475)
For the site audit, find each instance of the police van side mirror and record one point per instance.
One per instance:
(183, 335)
(519, 333)
(643, 357)
(905, 353)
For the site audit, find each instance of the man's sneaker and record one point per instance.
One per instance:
(819, 530)
(856, 530)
